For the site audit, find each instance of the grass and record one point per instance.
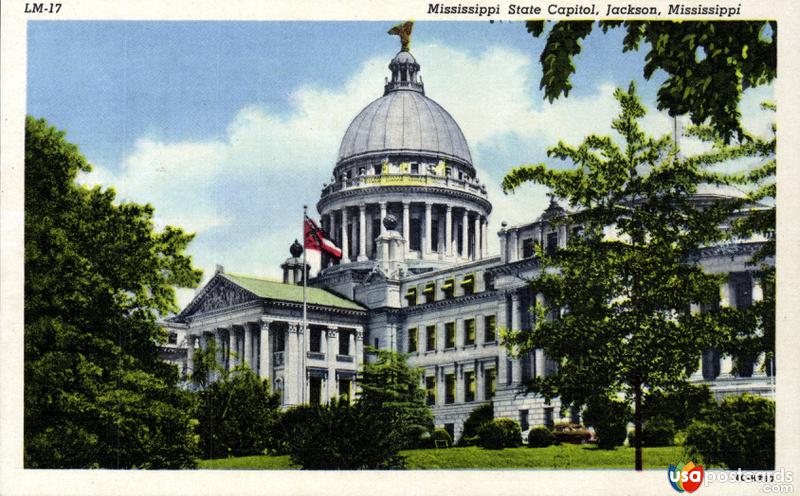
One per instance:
(567, 456)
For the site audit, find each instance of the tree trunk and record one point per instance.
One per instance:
(637, 423)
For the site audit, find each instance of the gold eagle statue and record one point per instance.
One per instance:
(404, 32)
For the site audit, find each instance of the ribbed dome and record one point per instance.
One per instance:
(404, 121)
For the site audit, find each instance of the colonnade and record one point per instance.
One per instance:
(461, 232)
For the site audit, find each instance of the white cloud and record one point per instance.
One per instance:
(245, 187)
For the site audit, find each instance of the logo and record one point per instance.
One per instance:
(686, 479)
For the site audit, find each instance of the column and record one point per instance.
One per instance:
(220, 349)
(359, 347)
(476, 250)
(502, 353)
(248, 346)
(460, 384)
(480, 383)
(332, 335)
(427, 245)
(292, 383)
(562, 236)
(465, 234)
(513, 249)
(440, 242)
(231, 348)
(362, 231)
(352, 344)
(440, 386)
(448, 236)
(189, 356)
(407, 226)
(345, 237)
(383, 215)
(333, 233)
(264, 352)
(538, 354)
(485, 239)
(727, 298)
(370, 236)
(516, 368)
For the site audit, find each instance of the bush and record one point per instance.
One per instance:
(609, 417)
(441, 439)
(540, 437)
(341, 436)
(657, 431)
(479, 416)
(681, 406)
(238, 416)
(577, 436)
(500, 433)
(740, 433)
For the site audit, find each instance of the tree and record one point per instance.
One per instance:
(237, 415)
(708, 64)
(390, 386)
(97, 277)
(619, 294)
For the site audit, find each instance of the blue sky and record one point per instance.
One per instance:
(227, 128)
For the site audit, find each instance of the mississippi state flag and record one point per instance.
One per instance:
(314, 239)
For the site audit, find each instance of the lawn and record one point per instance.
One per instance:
(566, 456)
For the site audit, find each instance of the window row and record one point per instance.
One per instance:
(470, 387)
(469, 329)
(448, 289)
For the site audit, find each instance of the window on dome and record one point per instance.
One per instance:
(468, 284)
(416, 234)
(377, 169)
(527, 248)
(430, 292)
(411, 296)
(414, 168)
(448, 288)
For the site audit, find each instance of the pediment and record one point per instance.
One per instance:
(219, 294)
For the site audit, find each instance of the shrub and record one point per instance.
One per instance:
(577, 436)
(238, 416)
(609, 417)
(479, 416)
(681, 406)
(340, 436)
(441, 438)
(657, 431)
(500, 433)
(540, 437)
(740, 433)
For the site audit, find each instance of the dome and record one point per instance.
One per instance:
(404, 120)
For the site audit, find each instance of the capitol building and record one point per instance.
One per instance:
(411, 216)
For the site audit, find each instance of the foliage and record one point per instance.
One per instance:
(97, 276)
(740, 433)
(540, 437)
(237, 415)
(389, 385)
(708, 63)
(609, 417)
(500, 433)
(681, 406)
(572, 436)
(341, 436)
(621, 290)
(441, 438)
(656, 431)
(477, 417)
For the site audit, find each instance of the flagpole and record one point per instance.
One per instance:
(305, 307)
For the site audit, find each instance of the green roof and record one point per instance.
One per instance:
(274, 290)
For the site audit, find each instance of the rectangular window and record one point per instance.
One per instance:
(412, 340)
(489, 383)
(552, 243)
(434, 235)
(469, 331)
(415, 225)
(430, 334)
(344, 342)
(376, 343)
(414, 168)
(450, 388)
(279, 341)
(490, 329)
(173, 338)
(450, 335)
(548, 417)
(430, 292)
(469, 386)
(411, 296)
(527, 248)
(449, 288)
(468, 284)
(316, 340)
(430, 389)
(523, 420)
(315, 390)
(344, 389)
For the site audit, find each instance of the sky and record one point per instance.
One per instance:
(228, 128)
